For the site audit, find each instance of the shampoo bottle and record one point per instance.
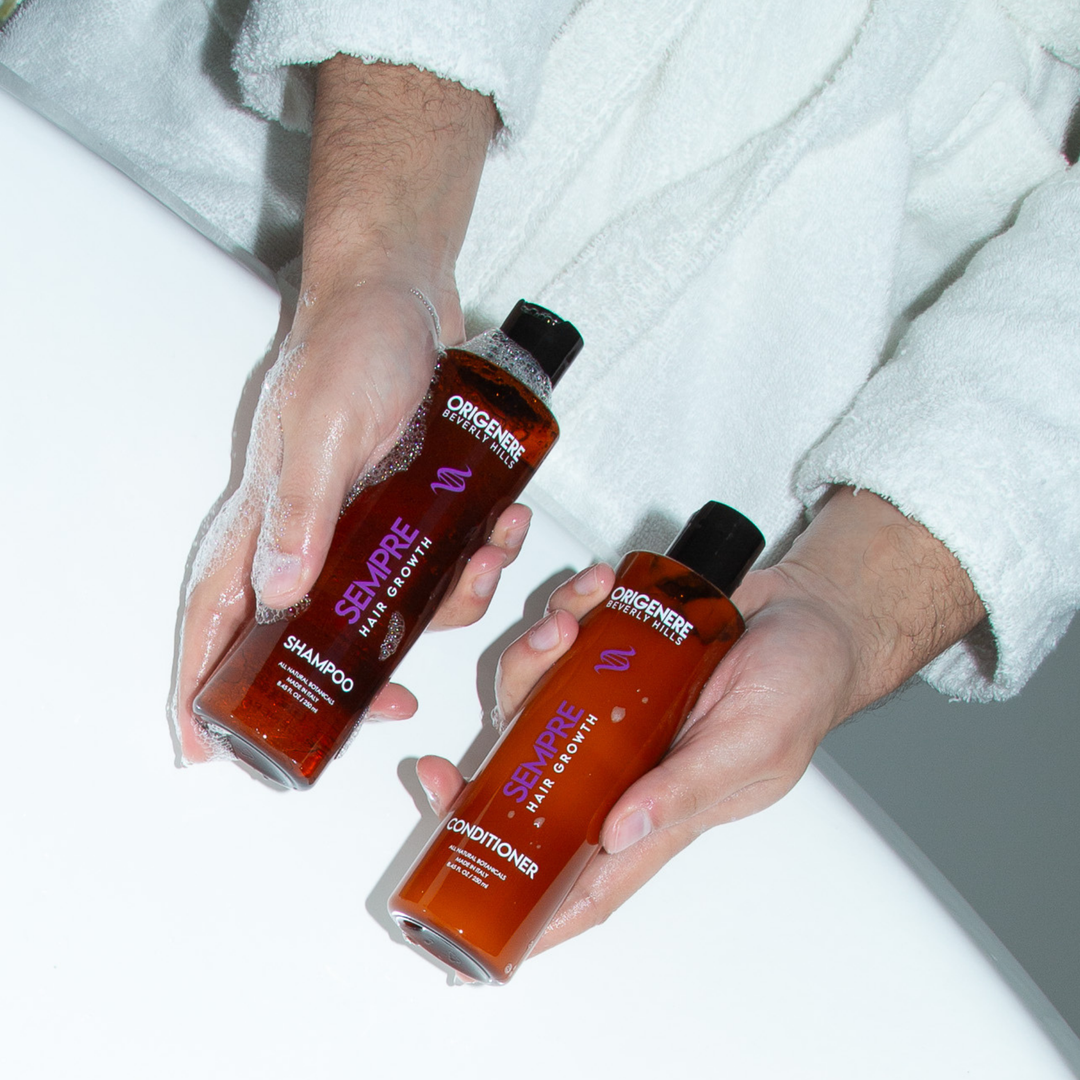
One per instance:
(507, 854)
(290, 691)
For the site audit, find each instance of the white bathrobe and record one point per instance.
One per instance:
(806, 244)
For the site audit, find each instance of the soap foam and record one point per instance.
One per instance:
(507, 354)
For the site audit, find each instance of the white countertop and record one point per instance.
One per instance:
(160, 922)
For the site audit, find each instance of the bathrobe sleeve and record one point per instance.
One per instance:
(973, 428)
(496, 47)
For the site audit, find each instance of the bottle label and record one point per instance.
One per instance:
(370, 604)
(647, 609)
(388, 568)
(482, 424)
(306, 653)
(552, 751)
(475, 865)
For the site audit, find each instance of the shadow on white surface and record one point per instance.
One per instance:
(1014, 974)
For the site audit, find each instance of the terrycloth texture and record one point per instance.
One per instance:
(1054, 23)
(148, 85)
(743, 205)
(1002, 417)
(737, 295)
(182, 129)
(492, 46)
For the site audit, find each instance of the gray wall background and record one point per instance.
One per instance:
(991, 794)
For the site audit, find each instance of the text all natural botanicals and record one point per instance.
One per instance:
(518, 837)
(289, 692)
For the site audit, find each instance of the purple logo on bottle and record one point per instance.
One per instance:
(614, 660)
(451, 479)
(361, 592)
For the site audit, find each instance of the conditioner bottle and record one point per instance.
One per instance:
(293, 686)
(515, 841)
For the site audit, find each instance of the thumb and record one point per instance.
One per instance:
(298, 525)
(750, 737)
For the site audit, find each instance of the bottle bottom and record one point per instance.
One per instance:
(442, 948)
(251, 755)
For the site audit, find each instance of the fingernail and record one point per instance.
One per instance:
(545, 635)
(282, 577)
(498, 719)
(432, 798)
(586, 582)
(486, 584)
(629, 831)
(515, 537)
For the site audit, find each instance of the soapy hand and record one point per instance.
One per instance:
(330, 408)
(396, 158)
(864, 599)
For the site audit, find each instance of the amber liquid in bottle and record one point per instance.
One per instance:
(505, 857)
(289, 693)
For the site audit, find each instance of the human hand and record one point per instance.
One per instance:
(863, 600)
(396, 157)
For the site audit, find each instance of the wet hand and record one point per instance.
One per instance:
(330, 408)
(396, 158)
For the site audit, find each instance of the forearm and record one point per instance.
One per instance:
(396, 159)
(903, 595)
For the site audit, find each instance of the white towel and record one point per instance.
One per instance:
(148, 85)
(1054, 24)
(734, 313)
(492, 46)
(1003, 476)
(741, 204)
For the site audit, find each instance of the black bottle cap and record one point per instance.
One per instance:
(552, 341)
(719, 544)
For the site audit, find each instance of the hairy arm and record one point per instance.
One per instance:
(396, 158)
